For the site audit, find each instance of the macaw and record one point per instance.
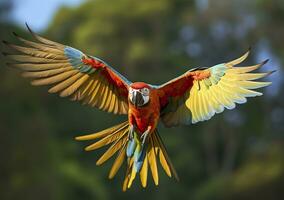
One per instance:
(195, 96)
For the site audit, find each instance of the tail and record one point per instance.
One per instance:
(117, 138)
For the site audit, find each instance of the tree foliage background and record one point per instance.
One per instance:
(235, 155)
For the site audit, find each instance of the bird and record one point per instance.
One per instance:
(195, 96)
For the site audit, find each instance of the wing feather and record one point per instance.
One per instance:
(38, 67)
(54, 79)
(71, 73)
(72, 88)
(46, 73)
(211, 90)
(36, 52)
(32, 59)
(41, 46)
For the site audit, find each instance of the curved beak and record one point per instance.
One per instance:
(137, 99)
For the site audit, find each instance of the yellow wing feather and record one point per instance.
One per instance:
(226, 86)
(211, 91)
(46, 73)
(62, 68)
(66, 83)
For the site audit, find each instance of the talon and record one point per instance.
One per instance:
(144, 137)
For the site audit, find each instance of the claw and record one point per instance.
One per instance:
(144, 137)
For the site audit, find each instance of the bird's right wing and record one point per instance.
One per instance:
(71, 73)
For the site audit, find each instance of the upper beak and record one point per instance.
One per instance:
(138, 99)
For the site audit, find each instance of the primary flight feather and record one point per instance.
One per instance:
(192, 97)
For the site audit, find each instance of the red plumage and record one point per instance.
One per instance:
(194, 96)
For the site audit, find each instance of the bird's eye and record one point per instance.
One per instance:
(145, 91)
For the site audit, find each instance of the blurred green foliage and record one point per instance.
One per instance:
(235, 155)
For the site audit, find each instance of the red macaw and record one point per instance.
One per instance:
(192, 97)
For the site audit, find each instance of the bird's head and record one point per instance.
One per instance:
(139, 94)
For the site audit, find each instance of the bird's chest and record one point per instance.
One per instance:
(141, 117)
(145, 116)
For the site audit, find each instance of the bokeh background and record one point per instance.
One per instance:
(236, 155)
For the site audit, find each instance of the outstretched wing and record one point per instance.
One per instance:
(71, 73)
(200, 93)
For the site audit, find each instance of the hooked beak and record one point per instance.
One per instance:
(137, 99)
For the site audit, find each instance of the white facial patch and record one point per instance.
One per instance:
(136, 94)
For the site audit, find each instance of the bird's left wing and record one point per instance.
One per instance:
(200, 93)
(71, 73)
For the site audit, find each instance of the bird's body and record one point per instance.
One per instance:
(147, 115)
(195, 96)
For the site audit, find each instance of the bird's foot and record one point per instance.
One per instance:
(144, 137)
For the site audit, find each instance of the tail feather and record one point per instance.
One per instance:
(118, 162)
(127, 174)
(131, 146)
(151, 155)
(102, 133)
(113, 149)
(132, 175)
(144, 172)
(141, 159)
(109, 139)
(164, 157)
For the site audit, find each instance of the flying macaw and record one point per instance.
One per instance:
(195, 96)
